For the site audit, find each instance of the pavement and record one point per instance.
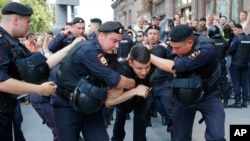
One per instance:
(34, 130)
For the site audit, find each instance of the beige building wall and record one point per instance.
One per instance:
(127, 11)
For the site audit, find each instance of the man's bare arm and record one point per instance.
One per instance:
(163, 64)
(126, 83)
(57, 57)
(117, 98)
(14, 86)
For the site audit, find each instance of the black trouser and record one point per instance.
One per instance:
(8, 124)
(139, 130)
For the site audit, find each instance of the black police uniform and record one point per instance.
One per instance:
(221, 48)
(239, 51)
(10, 48)
(136, 104)
(62, 40)
(161, 90)
(201, 62)
(124, 47)
(86, 61)
(92, 36)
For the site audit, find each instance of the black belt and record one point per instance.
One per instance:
(64, 93)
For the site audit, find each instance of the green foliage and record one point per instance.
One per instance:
(2, 3)
(42, 18)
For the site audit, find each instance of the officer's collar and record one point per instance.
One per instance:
(196, 45)
(11, 40)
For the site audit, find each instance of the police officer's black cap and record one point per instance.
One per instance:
(77, 20)
(238, 26)
(155, 17)
(111, 26)
(96, 20)
(153, 27)
(17, 8)
(180, 33)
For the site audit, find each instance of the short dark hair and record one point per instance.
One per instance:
(140, 53)
(140, 32)
(201, 28)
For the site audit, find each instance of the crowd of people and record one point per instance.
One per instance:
(78, 79)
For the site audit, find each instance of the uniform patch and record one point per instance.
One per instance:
(194, 54)
(102, 59)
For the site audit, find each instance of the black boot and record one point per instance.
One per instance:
(225, 102)
(149, 124)
(128, 117)
(244, 103)
(163, 120)
(170, 126)
(237, 103)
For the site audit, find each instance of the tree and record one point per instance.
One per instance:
(2, 3)
(42, 18)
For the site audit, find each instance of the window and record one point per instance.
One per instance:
(181, 2)
(235, 10)
(160, 8)
(209, 9)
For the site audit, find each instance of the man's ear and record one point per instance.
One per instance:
(130, 62)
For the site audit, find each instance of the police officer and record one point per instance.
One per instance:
(124, 47)
(195, 63)
(13, 52)
(61, 40)
(120, 54)
(87, 61)
(137, 67)
(221, 48)
(160, 82)
(95, 23)
(153, 36)
(239, 50)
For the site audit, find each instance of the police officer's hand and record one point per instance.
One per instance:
(142, 91)
(48, 88)
(67, 32)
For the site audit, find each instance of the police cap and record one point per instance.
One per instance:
(77, 20)
(17, 8)
(96, 20)
(180, 33)
(155, 17)
(111, 26)
(153, 27)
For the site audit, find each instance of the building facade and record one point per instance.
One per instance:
(127, 11)
(64, 12)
